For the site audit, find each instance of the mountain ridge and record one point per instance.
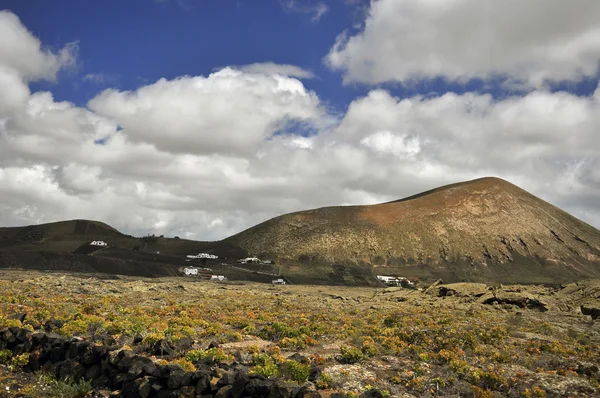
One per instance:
(486, 230)
(480, 223)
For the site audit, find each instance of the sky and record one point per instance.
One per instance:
(200, 118)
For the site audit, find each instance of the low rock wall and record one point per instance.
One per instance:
(130, 375)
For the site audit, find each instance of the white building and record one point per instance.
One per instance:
(278, 282)
(218, 278)
(190, 271)
(395, 281)
(249, 260)
(98, 243)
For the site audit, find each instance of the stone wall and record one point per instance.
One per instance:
(130, 375)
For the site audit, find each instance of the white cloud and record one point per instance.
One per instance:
(229, 112)
(271, 68)
(528, 41)
(317, 10)
(204, 157)
(21, 51)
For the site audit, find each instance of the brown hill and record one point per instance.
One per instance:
(482, 230)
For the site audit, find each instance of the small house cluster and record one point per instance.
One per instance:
(202, 255)
(205, 273)
(253, 260)
(98, 243)
(395, 281)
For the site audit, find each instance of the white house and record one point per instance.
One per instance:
(218, 278)
(278, 282)
(249, 260)
(190, 271)
(98, 243)
(395, 281)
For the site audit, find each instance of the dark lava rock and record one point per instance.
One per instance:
(281, 389)
(20, 316)
(257, 388)
(239, 384)
(298, 358)
(71, 369)
(175, 379)
(224, 392)
(162, 348)
(591, 309)
(137, 339)
(53, 324)
(372, 394)
(203, 381)
(184, 344)
(166, 394)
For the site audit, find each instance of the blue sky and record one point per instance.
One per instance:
(136, 42)
(200, 118)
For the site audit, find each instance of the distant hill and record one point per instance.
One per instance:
(482, 230)
(65, 246)
(485, 230)
(63, 236)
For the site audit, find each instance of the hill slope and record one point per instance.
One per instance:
(481, 230)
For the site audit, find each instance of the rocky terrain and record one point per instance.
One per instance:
(86, 335)
(485, 230)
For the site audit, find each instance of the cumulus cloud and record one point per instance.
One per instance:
(21, 51)
(271, 68)
(528, 41)
(228, 112)
(206, 156)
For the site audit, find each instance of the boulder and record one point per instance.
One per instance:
(20, 316)
(72, 369)
(280, 389)
(257, 388)
(520, 299)
(239, 385)
(224, 392)
(591, 309)
(203, 378)
(53, 324)
(298, 358)
(175, 379)
(458, 289)
(372, 394)
(163, 348)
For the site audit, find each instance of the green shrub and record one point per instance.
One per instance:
(324, 382)
(351, 354)
(64, 388)
(19, 361)
(261, 359)
(269, 369)
(5, 356)
(297, 371)
(217, 353)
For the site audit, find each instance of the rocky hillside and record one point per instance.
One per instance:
(486, 229)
